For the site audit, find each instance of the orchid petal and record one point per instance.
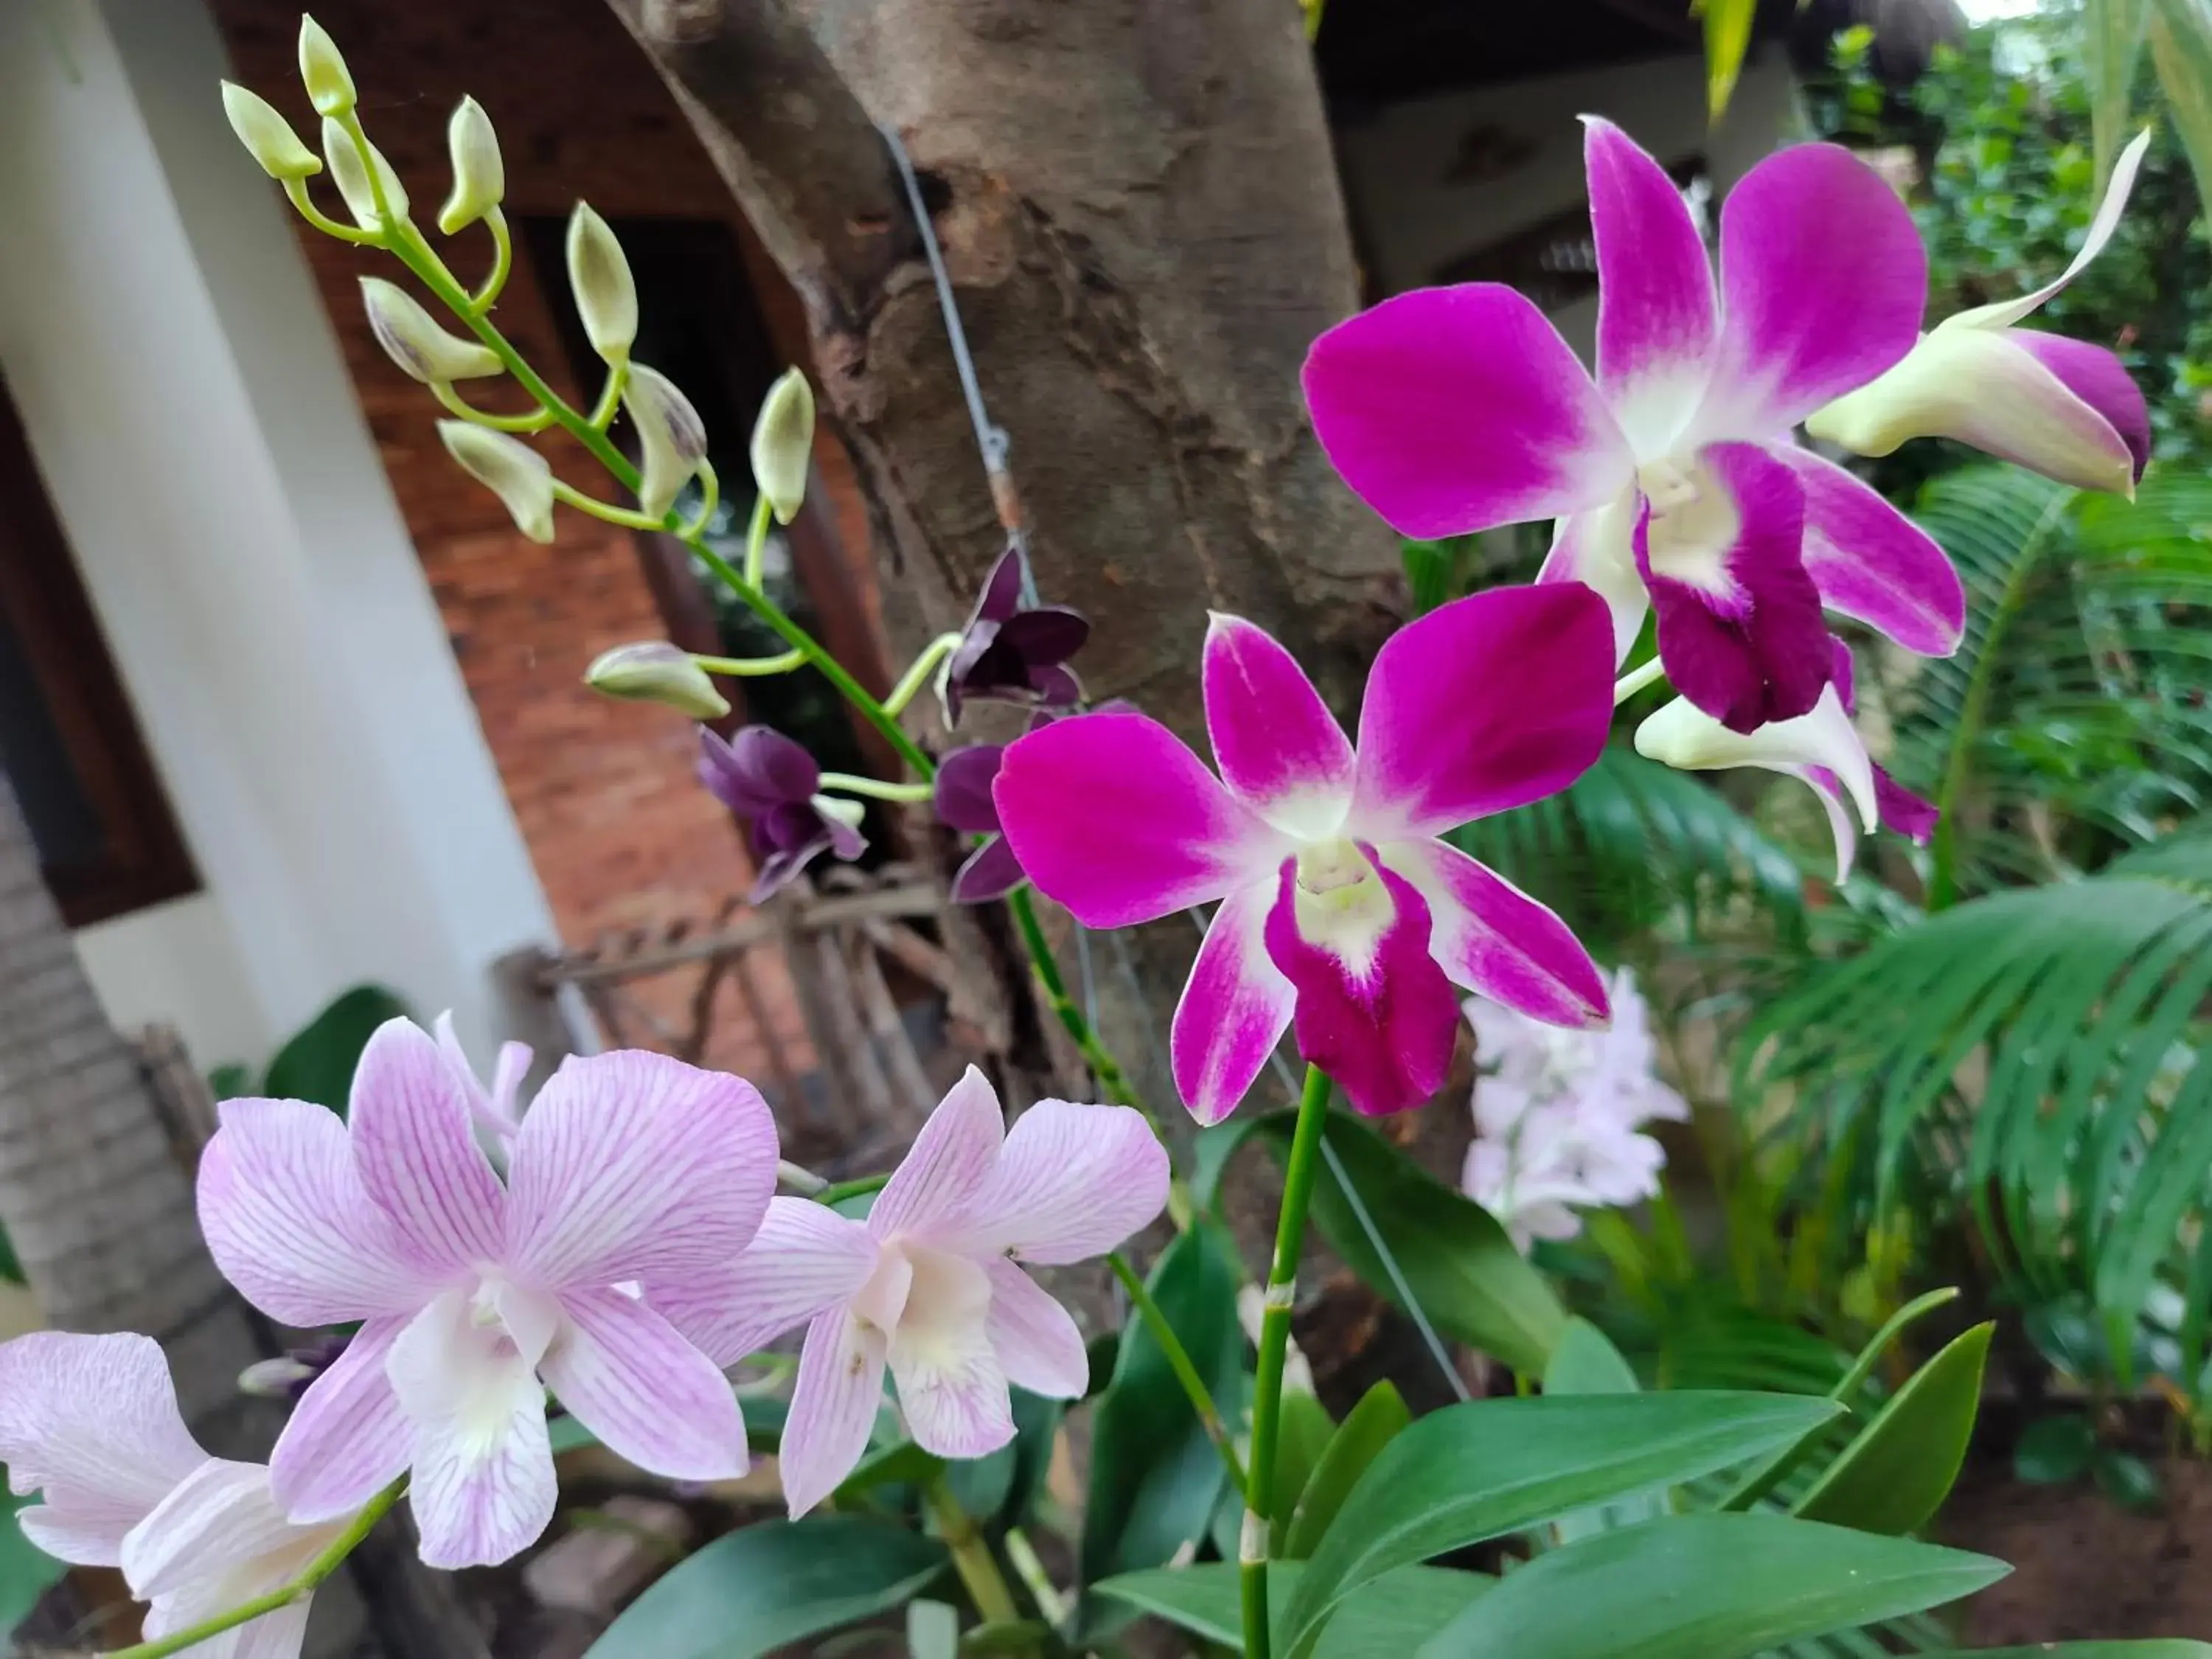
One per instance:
(951, 1386)
(291, 1225)
(833, 1407)
(1822, 281)
(220, 1516)
(1913, 817)
(1870, 562)
(938, 1181)
(2102, 223)
(1374, 1010)
(1486, 703)
(1739, 628)
(1983, 387)
(1683, 736)
(634, 1165)
(1071, 1183)
(630, 1376)
(482, 1487)
(2100, 380)
(1234, 1008)
(347, 1439)
(91, 1423)
(1450, 409)
(1490, 937)
(1278, 748)
(990, 871)
(1828, 790)
(1035, 1339)
(418, 1158)
(1113, 816)
(805, 1259)
(1598, 549)
(1656, 317)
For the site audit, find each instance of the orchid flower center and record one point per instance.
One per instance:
(1694, 523)
(1338, 900)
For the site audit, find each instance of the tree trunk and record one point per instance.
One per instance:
(1140, 212)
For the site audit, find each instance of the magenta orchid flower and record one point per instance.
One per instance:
(477, 1295)
(2064, 408)
(931, 1286)
(90, 1423)
(1822, 749)
(1340, 909)
(1673, 475)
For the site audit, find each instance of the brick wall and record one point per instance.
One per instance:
(622, 836)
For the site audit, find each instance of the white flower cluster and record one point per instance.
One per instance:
(1557, 1114)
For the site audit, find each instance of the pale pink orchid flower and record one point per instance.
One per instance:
(1342, 909)
(90, 1423)
(1822, 749)
(1559, 1116)
(1673, 476)
(497, 1109)
(477, 1295)
(931, 1286)
(2065, 408)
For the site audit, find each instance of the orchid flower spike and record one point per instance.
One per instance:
(1342, 909)
(1012, 653)
(1673, 476)
(1822, 749)
(2064, 408)
(90, 1423)
(774, 785)
(477, 1295)
(1557, 1115)
(931, 1286)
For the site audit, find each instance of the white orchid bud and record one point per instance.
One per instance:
(510, 469)
(412, 338)
(672, 440)
(352, 181)
(599, 276)
(323, 69)
(657, 671)
(783, 444)
(267, 135)
(479, 174)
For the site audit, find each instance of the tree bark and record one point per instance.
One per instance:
(1140, 215)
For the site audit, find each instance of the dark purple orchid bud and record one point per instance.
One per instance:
(1012, 655)
(774, 785)
(963, 801)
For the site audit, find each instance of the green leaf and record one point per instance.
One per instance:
(904, 1464)
(2054, 1450)
(773, 1583)
(1490, 1467)
(1586, 1362)
(2127, 1480)
(2111, 42)
(933, 1629)
(1459, 1263)
(1154, 1475)
(2153, 1648)
(230, 1080)
(1383, 1621)
(1896, 1474)
(2181, 49)
(1728, 38)
(26, 1572)
(1005, 1636)
(1379, 1417)
(1705, 1586)
(1301, 1437)
(317, 1064)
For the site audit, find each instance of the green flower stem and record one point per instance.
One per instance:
(1179, 1362)
(751, 667)
(1111, 1078)
(296, 191)
(502, 261)
(628, 518)
(756, 540)
(298, 1589)
(1274, 1345)
(875, 788)
(838, 1191)
(915, 678)
(535, 420)
(603, 413)
(972, 1555)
